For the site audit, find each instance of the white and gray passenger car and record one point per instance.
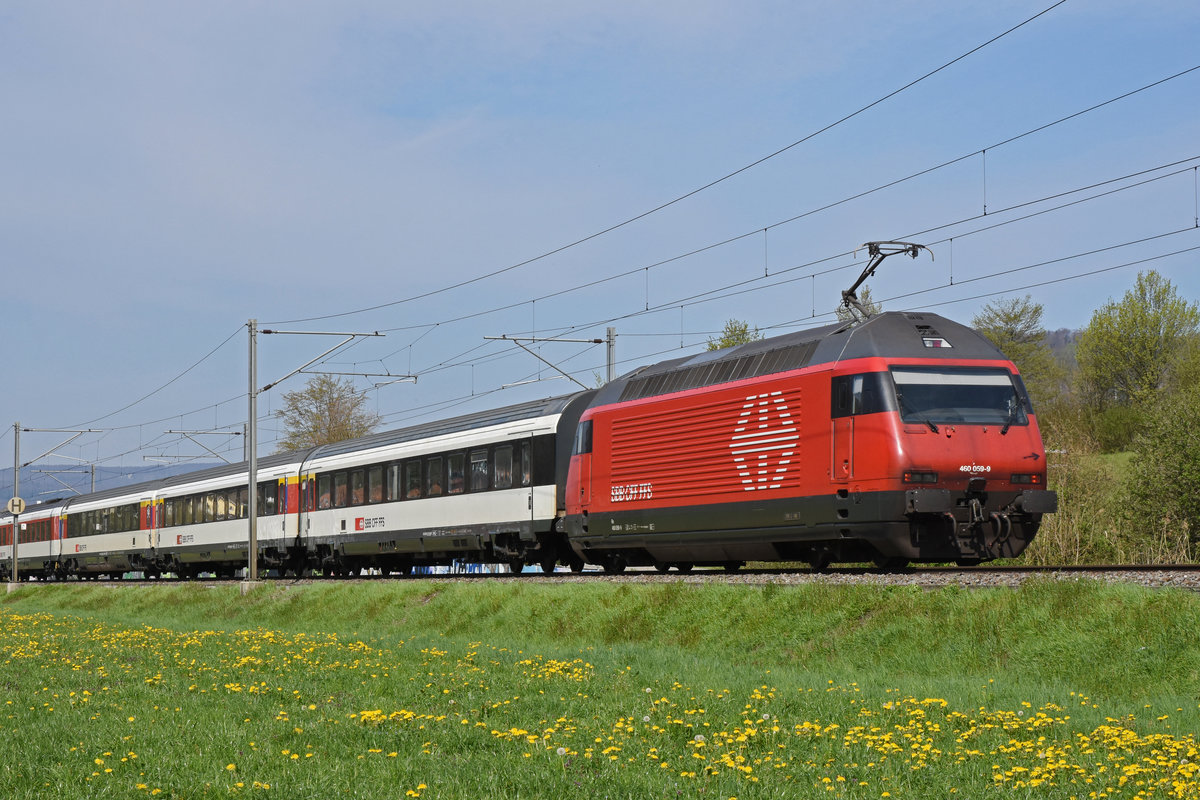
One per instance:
(480, 488)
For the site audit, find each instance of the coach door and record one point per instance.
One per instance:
(307, 503)
(522, 476)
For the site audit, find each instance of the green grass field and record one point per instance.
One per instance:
(511, 689)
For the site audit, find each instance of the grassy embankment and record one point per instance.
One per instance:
(445, 689)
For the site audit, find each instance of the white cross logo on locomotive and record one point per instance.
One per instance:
(764, 441)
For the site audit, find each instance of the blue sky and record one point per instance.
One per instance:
(173, 170)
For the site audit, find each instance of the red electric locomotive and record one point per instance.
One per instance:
(903, 437)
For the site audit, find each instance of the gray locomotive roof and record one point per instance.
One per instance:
(902, 334)
(480, 419)
(893, 334)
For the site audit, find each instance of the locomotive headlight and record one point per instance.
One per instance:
(1028, 479)
(914, 476)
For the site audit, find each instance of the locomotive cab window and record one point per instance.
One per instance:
(868, 393)
(959, 395)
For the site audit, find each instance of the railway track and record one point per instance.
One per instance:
(1181, 576)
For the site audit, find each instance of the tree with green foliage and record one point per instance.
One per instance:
(1015, 326)
(1127, 350)
(1165, 471)
(734, 333)
(326, 410)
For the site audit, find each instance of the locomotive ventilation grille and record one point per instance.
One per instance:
(721, 370)
(745, 441)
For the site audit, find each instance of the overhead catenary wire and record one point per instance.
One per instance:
(447, 404)
(429, 327)
(686, 195)
(150, 394)
(728, 290)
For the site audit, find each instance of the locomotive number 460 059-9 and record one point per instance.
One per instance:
(632, 491)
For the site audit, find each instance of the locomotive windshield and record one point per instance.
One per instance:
(959, 395)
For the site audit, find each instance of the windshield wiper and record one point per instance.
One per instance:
(1013, 410)
(906, 408)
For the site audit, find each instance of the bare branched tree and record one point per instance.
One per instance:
(326, 410)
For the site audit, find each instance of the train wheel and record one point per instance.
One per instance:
(820, 561)
(548, 564)
(575, 563)
(516, 566)
(968, 562)
(891, 562)
(614, 565)
(733, 566)
(661, 566)
(684, 566)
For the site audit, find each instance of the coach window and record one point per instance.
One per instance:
(526, 464)
(479, 470)
(375, 484)
(435, 477)
(503, 466)
(394, 490)
(412, 480)
(267, 492)
(241, 502)
(220, 505)
(455, 466)
(340, 493)
(358, 494)
(324, 491)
